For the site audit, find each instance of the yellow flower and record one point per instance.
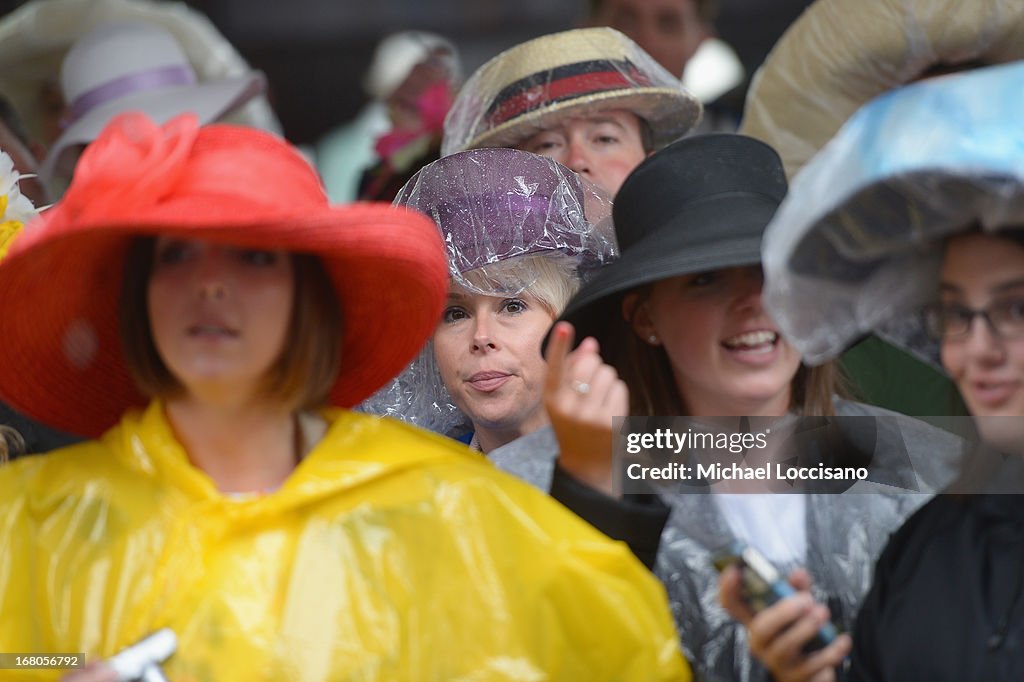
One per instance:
(9, 229)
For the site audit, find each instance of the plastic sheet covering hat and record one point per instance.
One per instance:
(842, 53)
(61, 280)
(35, 38)
(389, 554)
(858, 241)
(530, 86)
(494, 208)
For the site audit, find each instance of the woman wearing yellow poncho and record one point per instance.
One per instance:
(278, 539)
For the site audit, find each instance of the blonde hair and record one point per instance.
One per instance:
(557, 282)
(552, 279)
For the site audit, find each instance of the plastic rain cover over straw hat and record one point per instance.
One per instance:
(534, 84)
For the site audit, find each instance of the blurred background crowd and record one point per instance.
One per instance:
(316, 53)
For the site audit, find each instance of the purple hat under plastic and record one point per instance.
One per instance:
(492, 205)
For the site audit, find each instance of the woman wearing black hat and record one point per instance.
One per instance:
(679, 318)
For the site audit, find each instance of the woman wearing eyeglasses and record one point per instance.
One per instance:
(921, 196)
(979, 319)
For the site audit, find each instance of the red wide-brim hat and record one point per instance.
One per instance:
(61, 359)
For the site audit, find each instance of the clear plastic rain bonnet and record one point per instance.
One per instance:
(493, 205)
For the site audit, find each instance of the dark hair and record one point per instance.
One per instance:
(707, 10)
(11, 444)
(647, 371)
(301, 378)
(1014, 234)
(646, 136)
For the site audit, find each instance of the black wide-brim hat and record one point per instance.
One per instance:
(698, 205)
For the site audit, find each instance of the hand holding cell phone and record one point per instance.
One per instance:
(789, 632)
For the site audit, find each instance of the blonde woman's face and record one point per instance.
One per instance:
(488, 350)
(726, 354)
(219, 314)
(982, 272)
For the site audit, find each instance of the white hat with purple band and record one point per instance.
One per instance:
(137, 66)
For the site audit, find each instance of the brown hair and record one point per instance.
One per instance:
(11, 443)
(646, 136)
(301, 378)
(647, 371)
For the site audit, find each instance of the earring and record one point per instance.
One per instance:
(652, 339)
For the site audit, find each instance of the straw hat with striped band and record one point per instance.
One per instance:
(526, 88)
(842, 53)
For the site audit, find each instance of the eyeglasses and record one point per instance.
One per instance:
(951, 320)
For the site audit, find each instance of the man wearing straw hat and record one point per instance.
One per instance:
(591, 99)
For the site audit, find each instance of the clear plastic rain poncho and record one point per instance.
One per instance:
(496, 210)
(858, 241)
(835, 537)
(842, 53)
(574, 73)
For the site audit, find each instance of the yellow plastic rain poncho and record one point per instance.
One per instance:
(389, 554)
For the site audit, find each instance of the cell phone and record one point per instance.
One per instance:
(141, 661)
(763, 585)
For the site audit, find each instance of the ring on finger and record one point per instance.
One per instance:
(581, 387)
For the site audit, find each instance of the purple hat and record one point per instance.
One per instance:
(492, 205)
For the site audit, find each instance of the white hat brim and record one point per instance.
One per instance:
(208, 101)
(35, 38)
